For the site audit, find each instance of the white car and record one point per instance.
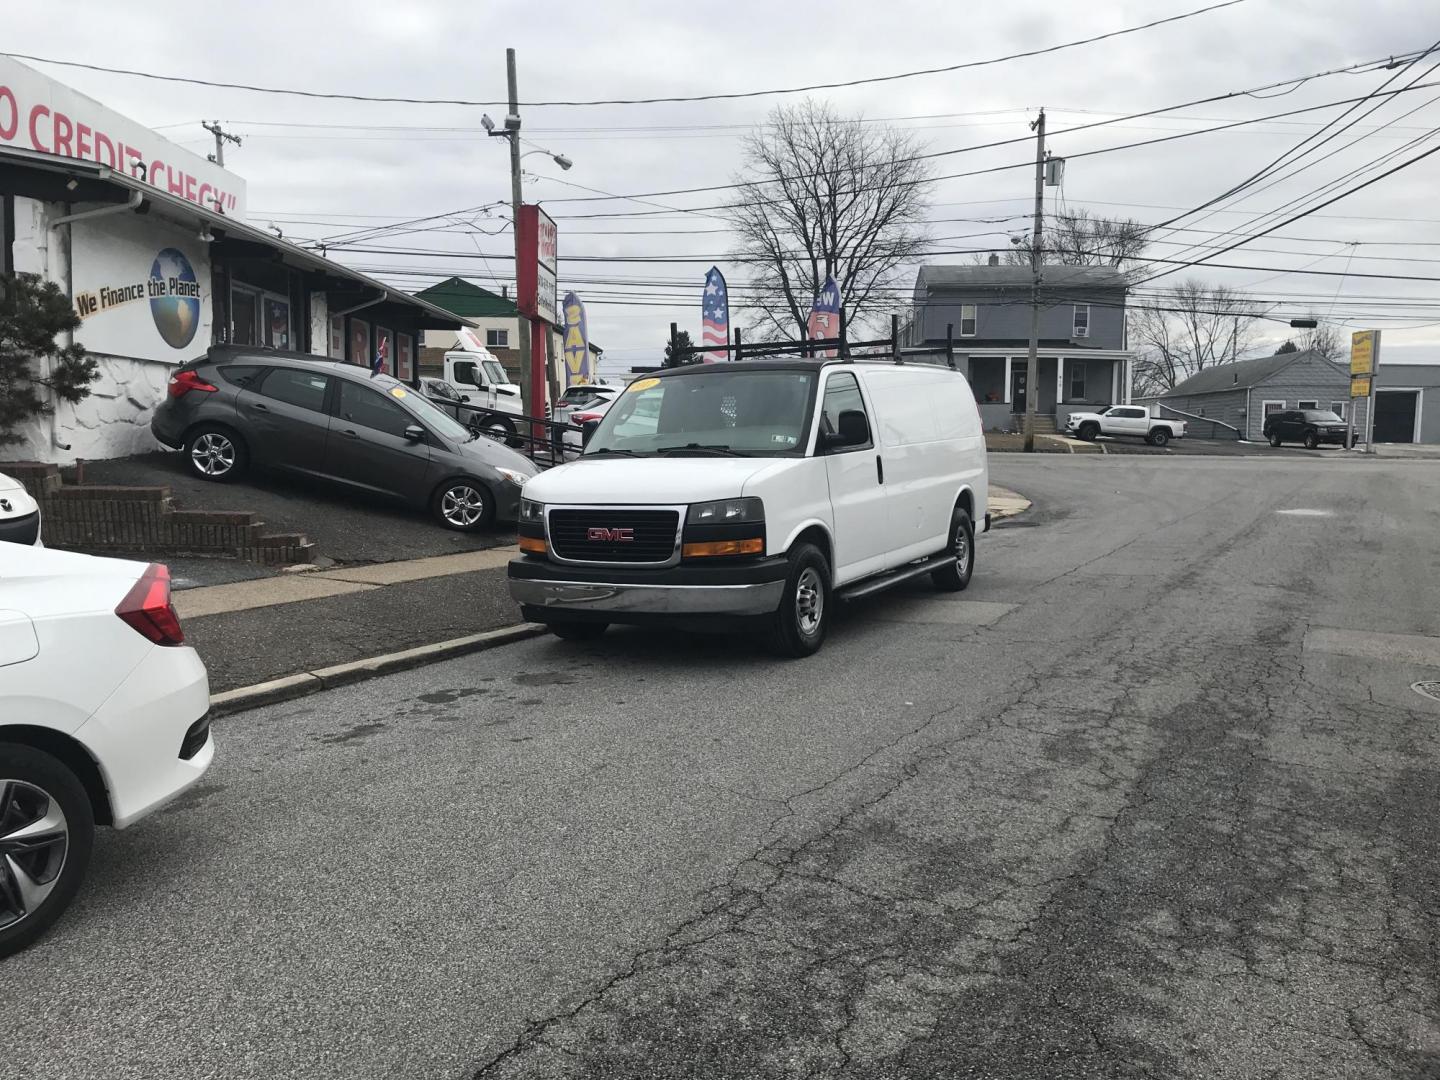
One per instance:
(19, 513)
(104, 718)
(1132, 420)
(752, 494)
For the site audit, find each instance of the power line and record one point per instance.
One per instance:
(633, 101)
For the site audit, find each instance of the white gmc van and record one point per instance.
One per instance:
(721, 495)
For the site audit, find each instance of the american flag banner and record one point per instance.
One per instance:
(715, 318)
(825, 315)
(382, 347)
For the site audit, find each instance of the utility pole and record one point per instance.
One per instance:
(221, 138)
(1032, 365)
(512, 130)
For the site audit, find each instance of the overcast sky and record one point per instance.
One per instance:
(369, 164)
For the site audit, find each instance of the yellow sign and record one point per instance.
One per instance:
(398, 391)
(1362, 352)
(643, 384)
(1360, 387)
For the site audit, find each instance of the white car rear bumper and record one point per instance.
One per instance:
(137, 736)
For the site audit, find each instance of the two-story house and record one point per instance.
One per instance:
(1084, 363)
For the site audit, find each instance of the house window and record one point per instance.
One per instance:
(1308, 405)
(1338, 408)
(1082, 320)
(497, 339)
(1077, 380)
(967, 320)
(1268, 408)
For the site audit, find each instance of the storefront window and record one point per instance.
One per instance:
(359, 342)
(244, 315)
(277, 323)
(404, 357)
(337, 337)
(384, 352)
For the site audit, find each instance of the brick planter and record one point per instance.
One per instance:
(98, 518)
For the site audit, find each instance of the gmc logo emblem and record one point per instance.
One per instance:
(611, 536)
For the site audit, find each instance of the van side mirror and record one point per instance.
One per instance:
(414, 433)
(854, 430)
(464, 398)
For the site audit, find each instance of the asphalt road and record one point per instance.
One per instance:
(1125, 808)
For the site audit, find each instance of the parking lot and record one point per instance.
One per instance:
(1153, 797)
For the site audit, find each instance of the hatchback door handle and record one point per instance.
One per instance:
(258, 407)
(879, 469)
(350, 433)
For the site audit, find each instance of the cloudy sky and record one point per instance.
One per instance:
(325, 168)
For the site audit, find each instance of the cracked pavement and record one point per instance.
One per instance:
(1130, 819)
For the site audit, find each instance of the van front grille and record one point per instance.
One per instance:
(614, 536)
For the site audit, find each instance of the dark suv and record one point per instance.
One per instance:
(238, 407)
(1309, 426)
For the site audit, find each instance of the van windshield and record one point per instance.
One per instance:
(746, 413)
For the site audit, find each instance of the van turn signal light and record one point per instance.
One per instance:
(753, 546)
(535, 545)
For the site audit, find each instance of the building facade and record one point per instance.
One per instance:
(1084, 363)
(153, 251)
(1407, 403)
(1231, 401)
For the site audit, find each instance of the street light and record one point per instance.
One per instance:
(559, 159)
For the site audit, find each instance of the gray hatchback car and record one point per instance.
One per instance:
(238, 407)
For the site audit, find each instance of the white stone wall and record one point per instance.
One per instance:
(114, 421)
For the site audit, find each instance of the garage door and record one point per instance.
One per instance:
(1395, 415)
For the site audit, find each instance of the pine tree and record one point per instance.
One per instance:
(680, 351)
(33, 313)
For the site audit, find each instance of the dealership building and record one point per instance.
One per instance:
(150, 242)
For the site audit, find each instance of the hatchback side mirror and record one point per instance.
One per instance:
(415, 433)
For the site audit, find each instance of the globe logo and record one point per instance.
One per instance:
(174, 298)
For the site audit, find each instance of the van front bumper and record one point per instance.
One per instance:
(547, 589)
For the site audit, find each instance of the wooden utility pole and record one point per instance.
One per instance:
(1032, 365)
(221, 138)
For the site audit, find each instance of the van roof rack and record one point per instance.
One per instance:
(841, 347)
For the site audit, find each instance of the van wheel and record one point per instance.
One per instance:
(956, 577)
(578, 631)
(798, 626)
(47, 826)
(215, 453)
(1311, 440)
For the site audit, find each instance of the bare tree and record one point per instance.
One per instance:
(826, 196)
(1326, 341)
(1186, 329)
(1080, 238)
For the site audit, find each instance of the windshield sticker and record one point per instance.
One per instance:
(643, 384)
(399, 391)
(786, 440)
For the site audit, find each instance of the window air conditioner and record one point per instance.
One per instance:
(1082, 331)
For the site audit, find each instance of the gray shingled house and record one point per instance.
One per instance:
(1231, 401)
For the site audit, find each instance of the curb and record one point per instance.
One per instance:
(304, 683)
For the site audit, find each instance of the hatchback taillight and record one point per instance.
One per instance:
(182, 382)
(148, 609)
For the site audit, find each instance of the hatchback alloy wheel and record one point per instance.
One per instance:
(213, 454)
(34, 841)
(463, 506)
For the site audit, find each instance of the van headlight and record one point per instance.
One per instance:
(532, 512)
(725, 511)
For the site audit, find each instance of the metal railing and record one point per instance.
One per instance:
(542, 440)
(1192, 420)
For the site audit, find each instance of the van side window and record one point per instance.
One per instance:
(842, 394)
(465, 372)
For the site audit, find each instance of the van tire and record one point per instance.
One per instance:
(38, 771)
(956, 576)
(797, 628)
(578, 631)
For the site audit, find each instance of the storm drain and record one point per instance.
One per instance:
(1427, 689)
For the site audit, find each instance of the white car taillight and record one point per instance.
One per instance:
(148, 609)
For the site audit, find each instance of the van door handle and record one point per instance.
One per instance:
(879, 469)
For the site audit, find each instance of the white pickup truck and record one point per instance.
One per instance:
(1133, 420)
